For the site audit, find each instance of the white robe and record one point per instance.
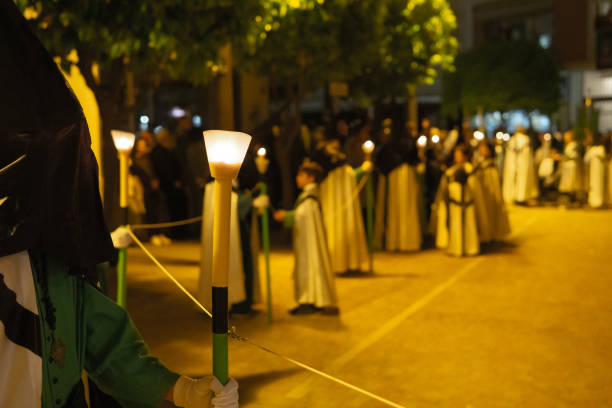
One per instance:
(236, 291)
(595, 159)
(403, 221)
(520, 183)
(499, 226)
(21, 373)
(343, 221)
(313, 276)
(571, 169)
(456, 216)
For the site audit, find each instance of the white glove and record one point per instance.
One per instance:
(226, 396)
(261, 201)
(121, 237)
(198, 393)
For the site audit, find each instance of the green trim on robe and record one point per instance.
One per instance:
(94, 334)
(359, 173)
(289, 219)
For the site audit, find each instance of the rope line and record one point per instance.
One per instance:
(168, 274)
(235, 336)
(167, 224)
(314, 370)
(193, 220)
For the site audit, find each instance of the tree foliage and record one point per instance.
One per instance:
(502, 76)
(177, 39)
(414, 42)
(379, 46)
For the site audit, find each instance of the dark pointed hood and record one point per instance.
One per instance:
(49, 198)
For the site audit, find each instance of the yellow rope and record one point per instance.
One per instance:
(165, 271)
(235, 336)
(167, 224)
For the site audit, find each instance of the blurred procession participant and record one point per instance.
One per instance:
(596, 164)
(403, 199)
(499, 225)
(341, 207)
(315, 290)
(243, 277)
(571, 182)
(55, 322)
(460, 211)
(520, 184)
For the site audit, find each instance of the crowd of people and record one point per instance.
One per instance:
(433, 188)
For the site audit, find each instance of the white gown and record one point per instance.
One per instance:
(21, 374)
(313, 276)
(499, 226)
(595, 159)
(520, 183)
(343, 221)
(456, 218)
(236, 291)
(571, 169)
(403, 232)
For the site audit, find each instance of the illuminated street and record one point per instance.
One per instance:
(527, 325)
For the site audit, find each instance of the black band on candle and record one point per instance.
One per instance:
(219, 310)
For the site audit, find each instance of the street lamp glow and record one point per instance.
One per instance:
(368, 146)
(261, 152)
(422, 140)
(499, 135)
(435, 138)
(506, 137)
(478, 135)
(225, 151)
(124, 141)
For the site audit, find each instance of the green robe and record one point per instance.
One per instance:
(94, 334)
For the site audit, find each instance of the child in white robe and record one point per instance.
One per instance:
(315, 289)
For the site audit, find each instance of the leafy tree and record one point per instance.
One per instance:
(127, 46)
(501, 76)
(379, 46)
(415, 39)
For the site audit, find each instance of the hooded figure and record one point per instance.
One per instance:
(54, 323)
(520, 183)
(341, 207)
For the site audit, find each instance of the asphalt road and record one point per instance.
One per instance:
(528, 324)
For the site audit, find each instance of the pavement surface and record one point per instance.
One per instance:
(528, 324)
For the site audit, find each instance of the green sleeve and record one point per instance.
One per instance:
(117, 358)
(289, 219)
(358, 173)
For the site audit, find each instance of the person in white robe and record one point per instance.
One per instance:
(595, 160)
(459, 206)
(342, 214)
(314, 284)
(571, 179)
(243, 266)
(520, 183)
(499, 226)
(403, 221)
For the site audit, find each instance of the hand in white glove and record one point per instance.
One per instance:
(261, 201)
(121, 237)
(198, 393)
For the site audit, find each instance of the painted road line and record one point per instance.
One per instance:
(384, 330)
